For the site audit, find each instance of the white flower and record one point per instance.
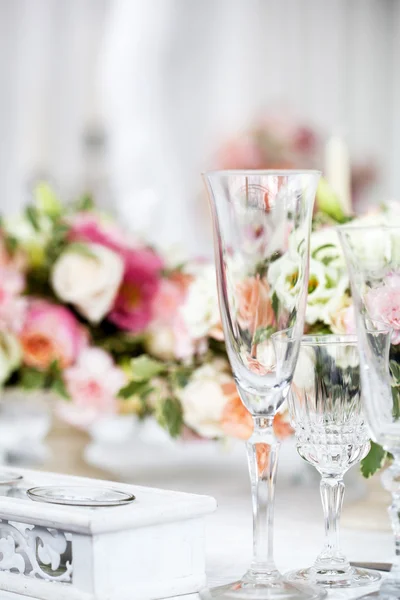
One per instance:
(160, 342)
(328, 280)
(20, 228)
(203, 399)
(284, 279)
(200, 310)
(89, 281)
(10, 355)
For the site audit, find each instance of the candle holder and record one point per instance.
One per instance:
(64, 537)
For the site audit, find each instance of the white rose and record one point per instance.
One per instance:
(10, 355)
(203, 400)
(160, 342)
(200, 311)
(88, 281)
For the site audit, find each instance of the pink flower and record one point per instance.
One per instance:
(133, 308)
(93, 384)
(50, 333)
(12, 305)
(168, 335)
(90, 227)
(245, 152)
(383, 304)
(168, 299)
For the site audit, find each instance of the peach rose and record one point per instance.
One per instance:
(50, 333)
(237, 421)
(255, 306)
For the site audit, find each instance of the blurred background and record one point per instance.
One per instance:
(132, 99)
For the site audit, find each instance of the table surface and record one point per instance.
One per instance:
(366, 534)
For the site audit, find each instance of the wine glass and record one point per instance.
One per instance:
(262, 222)
(331, 434)
(373, 260)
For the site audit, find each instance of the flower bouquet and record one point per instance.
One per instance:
(111, 326)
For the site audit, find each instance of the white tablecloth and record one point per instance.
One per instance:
(299, 530)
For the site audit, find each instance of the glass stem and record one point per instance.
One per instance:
(262, 452)
(390, 479)
(332, 493)
(394, 513)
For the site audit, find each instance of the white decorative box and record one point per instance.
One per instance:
(150, 548)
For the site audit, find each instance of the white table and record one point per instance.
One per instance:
(299, 529)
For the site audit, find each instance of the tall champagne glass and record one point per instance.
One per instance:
(262, 222)
(373, 260)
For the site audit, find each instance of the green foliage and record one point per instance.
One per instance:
(46, 200)
(180, 376)
(143, 368)
(329, 203)
(33, 216)
(135, 388)
(169, 415)
(51, 379)
(263, 334)
(318, 328)
(85, 203)
(374, 460)
(32, 379)
(80, 248)
(275, 304)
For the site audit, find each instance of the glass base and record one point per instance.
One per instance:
(272, 589)
(335, 578)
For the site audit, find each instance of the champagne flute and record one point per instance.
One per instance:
(262, 223)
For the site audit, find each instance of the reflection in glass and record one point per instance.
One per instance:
(373, 260)
(325, 410)
(262, 223)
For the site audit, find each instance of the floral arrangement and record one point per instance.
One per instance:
(277, 141)
(110, 326)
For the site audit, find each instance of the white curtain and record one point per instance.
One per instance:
(168, 80)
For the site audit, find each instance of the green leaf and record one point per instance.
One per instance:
(180, 377)
(374, 460)
(32, 379)
(135, 388)
(329, 202)
(318, 328)
(58, 387)
(169, 415)
(323, 247)
(80, 248)
(85, 203)
(395, 370)
(144, 368)
(275, 304)
(263, 334)
(32, 215)
(46, 200)
(11, 243)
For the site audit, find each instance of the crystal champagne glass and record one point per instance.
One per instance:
(262, 222)
(331, 434)
(373, 259)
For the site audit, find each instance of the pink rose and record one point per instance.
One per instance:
(93, 384)
(50, 333)
(168, 335)
(133, 307)
(383, 304)
(12, 304)
(90, 227)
